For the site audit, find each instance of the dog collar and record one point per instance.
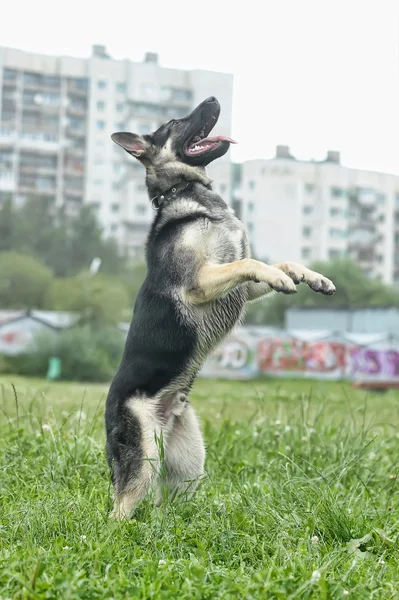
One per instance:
(157, 201)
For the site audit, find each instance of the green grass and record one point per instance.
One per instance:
(297, 471)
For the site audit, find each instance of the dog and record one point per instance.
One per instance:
(200, 278)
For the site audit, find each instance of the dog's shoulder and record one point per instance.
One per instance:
(195, 228)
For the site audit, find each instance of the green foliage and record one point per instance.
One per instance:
(64, 243)
(86, 354)
(99, 300)
(299, 499)
(354, 290)
(23, 281)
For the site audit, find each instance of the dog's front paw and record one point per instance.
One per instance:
(316, 281)
(276, 279)
(320, 284)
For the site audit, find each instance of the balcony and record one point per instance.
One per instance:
(75, 89)
(76, 111)
(37, 169)
(73, 149)
(75, 132)
(8, 135)
(33, 188)
(10, 83)
(76, 194)
(73, 170)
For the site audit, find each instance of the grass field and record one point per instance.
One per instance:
(300, 498)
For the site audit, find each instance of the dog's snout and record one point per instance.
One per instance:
(211, 99)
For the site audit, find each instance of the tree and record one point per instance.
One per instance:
(23, 281)
(67, 244)
(99, 299)
(8, 234)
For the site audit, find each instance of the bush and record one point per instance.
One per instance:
(86, 355)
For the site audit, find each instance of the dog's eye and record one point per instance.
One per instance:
(174, 123)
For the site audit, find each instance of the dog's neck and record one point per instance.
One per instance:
(161, 178)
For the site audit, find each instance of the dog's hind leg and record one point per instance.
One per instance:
(134, 455)
(184, 457)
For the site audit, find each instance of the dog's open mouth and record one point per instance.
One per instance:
(200, 143)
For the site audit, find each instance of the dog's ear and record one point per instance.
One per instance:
(135, 144)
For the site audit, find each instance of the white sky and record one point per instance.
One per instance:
(313, 74)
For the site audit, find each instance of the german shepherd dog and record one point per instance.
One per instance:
(200, 277)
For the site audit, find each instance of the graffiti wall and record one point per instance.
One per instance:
(283, 354)
(235, 358)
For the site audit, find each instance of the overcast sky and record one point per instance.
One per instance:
(313, 74)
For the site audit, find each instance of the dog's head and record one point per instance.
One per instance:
(183, 140)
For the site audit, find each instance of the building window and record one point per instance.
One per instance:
(306, 232)
(141, 188)
(337, 192)
(337, 233)
(251, 228)
(335, 212)
(223, 188)
(51, 81)
(181, 95)
(101, 84)
(115, 208)
(100, 105)
(100, 125)
(306, 253)
(380, 198)
(121, 87)
(251, 207)
(32, 79)
(119, 107)
(9, 75)
(117, 167)
(251, 185)
(309, 188)
(119, 126)
(307, 209)
(115, 186)
(141, 209)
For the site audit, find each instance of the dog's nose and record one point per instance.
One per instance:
(211, 99)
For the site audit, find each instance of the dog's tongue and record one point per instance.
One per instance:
(218, 138)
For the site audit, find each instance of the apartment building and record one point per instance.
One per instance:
(57, 116)
(305, 211)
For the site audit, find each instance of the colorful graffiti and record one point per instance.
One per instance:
(235, 358)
(378, 364)
(283, 356)
(249, 354)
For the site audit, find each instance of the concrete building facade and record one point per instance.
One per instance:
(307, 211)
